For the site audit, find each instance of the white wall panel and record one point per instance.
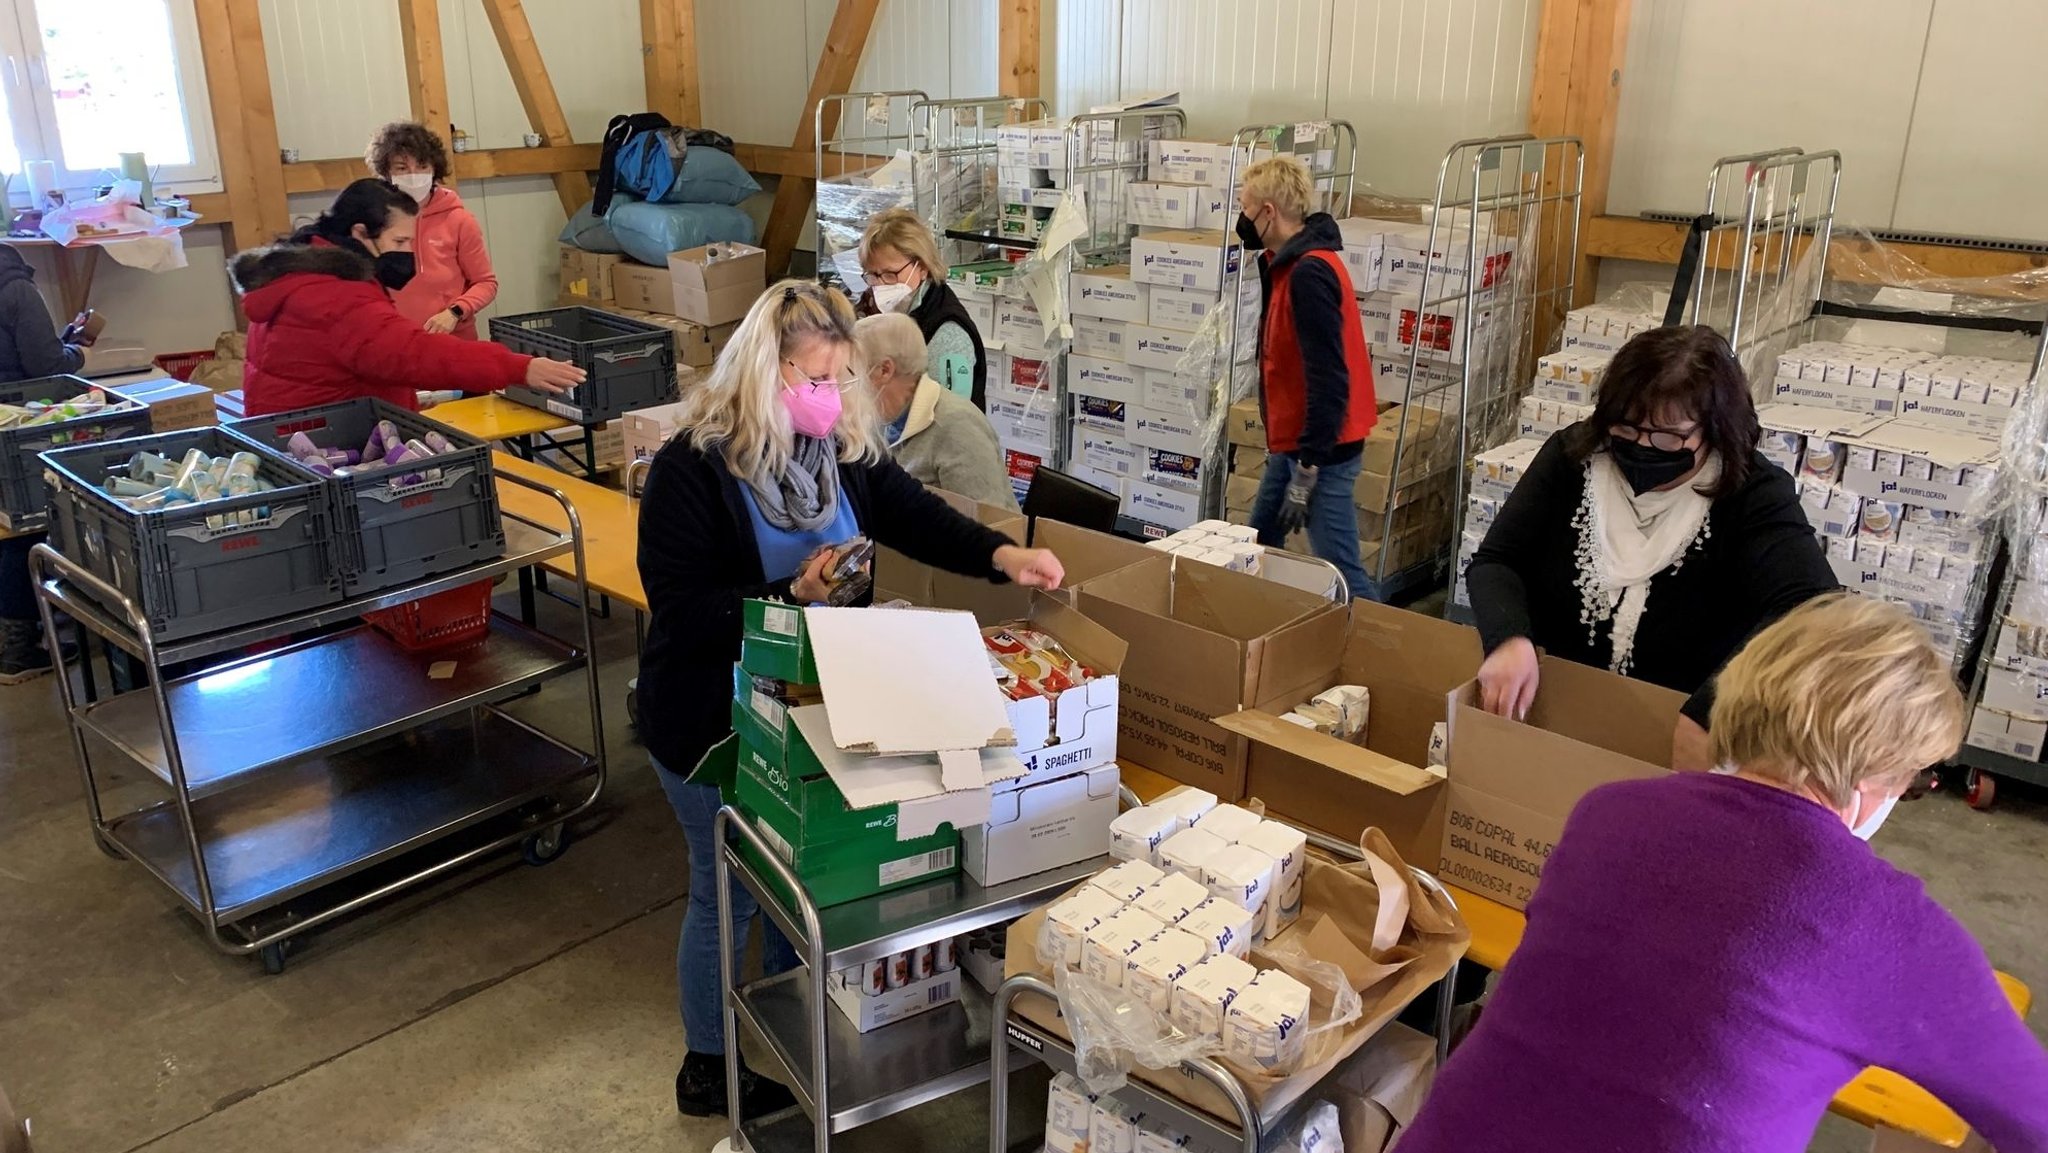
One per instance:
(1415, 76)
(1084, 66)
(976, 41)
(178, 311)
(1234, 62)
(521, 218)
(1713, 78)
(756, 65)
(1974, 164)
(337, 71)
(592, 52)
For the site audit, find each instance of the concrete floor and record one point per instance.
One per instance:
(511, 1008)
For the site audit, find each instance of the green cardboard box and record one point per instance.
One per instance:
(773, 643)
(842, 871)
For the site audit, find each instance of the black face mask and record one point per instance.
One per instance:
(1248, 233)
(395, 270)
(1645, 467)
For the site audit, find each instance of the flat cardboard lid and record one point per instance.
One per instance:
(1808, 420)
(914, 782)
(1382, 772)
(1945, 448)
(900, 681)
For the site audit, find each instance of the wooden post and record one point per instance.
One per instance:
(419, 26)
(259, 119)
(536, 93)
(1575, 92)
(1017, 52)
(224, 97)
(848, 37)
(668, 50)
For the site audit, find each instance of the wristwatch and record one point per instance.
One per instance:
(459, 313)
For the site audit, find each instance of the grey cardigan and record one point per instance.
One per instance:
(947, 443)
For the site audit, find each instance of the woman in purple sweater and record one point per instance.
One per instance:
(1711, 957)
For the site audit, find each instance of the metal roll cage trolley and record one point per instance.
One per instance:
(384, 761)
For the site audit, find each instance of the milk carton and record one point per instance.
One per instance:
(1266, 1026)
(1223, 926)
(1186, 802)
(1188, 852)
(1228, 822)
(1136, 835)
(1106, 947)
(1150, 972)
(1067, 1112)
(1171, 898)
(1289, 850)
(1159, 1139)
(1067, 924)
(1202, 996)
(1125, 881)
(1243, 876)
(1113, 1127)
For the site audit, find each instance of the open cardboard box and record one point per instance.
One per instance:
(1205, 642)
(1084, 553)
(1410, 663)
(898, 577)
(1512, 784)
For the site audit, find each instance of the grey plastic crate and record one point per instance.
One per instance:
(24, 500)
(389, 533)
(630, 365)
(188, 577)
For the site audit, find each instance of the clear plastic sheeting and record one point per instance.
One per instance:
(845, 205)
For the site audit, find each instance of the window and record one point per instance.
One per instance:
(84, 81)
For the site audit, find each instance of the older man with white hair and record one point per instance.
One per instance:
(937, 436)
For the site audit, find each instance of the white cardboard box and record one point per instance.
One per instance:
(1172, 394)
(870, 1013)
(1099, 338)
(2003, 732)
(1182, 309)
(1109, 294)
(2016, 694)
(1185, 258)
(1156, 204)
(1110, 379)
(1157, 504)
(647, 430)
(1846, 397)
(1188, 161)
(1148, 347)
(1044, 825)
(1101, 414)
(1170, 432)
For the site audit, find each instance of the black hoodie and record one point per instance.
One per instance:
(29, 347)
(1319, 301)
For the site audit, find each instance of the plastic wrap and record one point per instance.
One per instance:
(1319, 1132)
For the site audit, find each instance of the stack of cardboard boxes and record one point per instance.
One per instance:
(1967, 394)
(2012, 715)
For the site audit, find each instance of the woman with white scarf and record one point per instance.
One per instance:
(779, 457)
(1651, 540)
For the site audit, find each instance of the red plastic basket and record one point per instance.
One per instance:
(458, 616)
(179, 365)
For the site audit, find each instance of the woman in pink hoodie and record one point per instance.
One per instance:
(454, 279)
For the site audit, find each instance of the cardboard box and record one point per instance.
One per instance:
(1206, 642)
(1513, 784)
(1180, 432)
(2002, 732)
(1160, 348)
(1156, 204)
(1245, 424)
(1041, 826)
(1109, 294)
(871, 1013)
(1201, 162)
(173, 404)
(1158, 504)
(587, 274)
(1109, 379)
(643, 287)
(897, 577)
(646, 431)
(696, 345)
(1185, 258)
(1182, 309)
(1098, 338)
(1410, 663)
(717, 283)
(1179, 396)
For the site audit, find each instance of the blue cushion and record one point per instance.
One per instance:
(712, 177)
(649, 232)
(590, 232)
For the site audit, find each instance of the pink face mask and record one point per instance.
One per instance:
(813, 406)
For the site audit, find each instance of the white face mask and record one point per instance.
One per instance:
(892, 297)
(418, 185)
(1870, 825)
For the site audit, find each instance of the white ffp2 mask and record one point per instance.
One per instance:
(892, 297)
(418, 185)
(1869, 827)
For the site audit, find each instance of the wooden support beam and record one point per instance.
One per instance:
(329, 175)
(844, 42)
(1659, 242)
(1017, 48)
(1576, 91)
(224, 97)
(776, 160)
(259, 118)
(536, 92)
(419, 27)
(668, 52)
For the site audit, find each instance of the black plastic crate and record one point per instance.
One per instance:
(24, 500)
(187, 571)
(630, 365)
(392, 534)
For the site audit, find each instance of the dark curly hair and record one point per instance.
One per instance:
(407, 138)
(1684, 368)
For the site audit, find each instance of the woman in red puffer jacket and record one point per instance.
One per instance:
(322, 327)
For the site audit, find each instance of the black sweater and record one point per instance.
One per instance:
(1760, 560)
(699, 559)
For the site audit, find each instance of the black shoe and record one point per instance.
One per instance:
(700, 1089)
(22, 656)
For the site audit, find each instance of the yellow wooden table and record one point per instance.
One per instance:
(1878, 1098)
(611, 525)
(530, 431)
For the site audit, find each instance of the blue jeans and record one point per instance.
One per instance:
(1332, 521)
(696, 807)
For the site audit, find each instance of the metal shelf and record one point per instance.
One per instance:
(525, 546)
(2002, 764)
(876, 1074)
(320, 819)
(232, 720)
(1056, 1054)
(878, 926)
(992, 238)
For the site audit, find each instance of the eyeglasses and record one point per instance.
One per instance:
(1668, 439)
(886, 275)
(852, 379)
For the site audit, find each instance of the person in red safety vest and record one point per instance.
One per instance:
(1315, 372)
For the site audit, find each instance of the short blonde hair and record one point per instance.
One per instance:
(894, 337)
(902, 230)
(1840, 691)
(1282, 180)
(737, 410)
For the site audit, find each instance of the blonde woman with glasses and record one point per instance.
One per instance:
(899, 258)
(779, 457)
(1711, 956)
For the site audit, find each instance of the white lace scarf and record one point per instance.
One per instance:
(1625, 540)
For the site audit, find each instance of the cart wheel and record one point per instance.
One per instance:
(273, 957)
(1981, 789)
(544, 845)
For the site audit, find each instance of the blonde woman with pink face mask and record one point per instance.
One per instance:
(779, 456)
(454, 280)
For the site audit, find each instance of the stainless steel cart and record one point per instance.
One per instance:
(310, 780)
(953, 153)
(850, 130)
(844, 1079)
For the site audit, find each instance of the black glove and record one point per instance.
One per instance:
(1294, 510)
